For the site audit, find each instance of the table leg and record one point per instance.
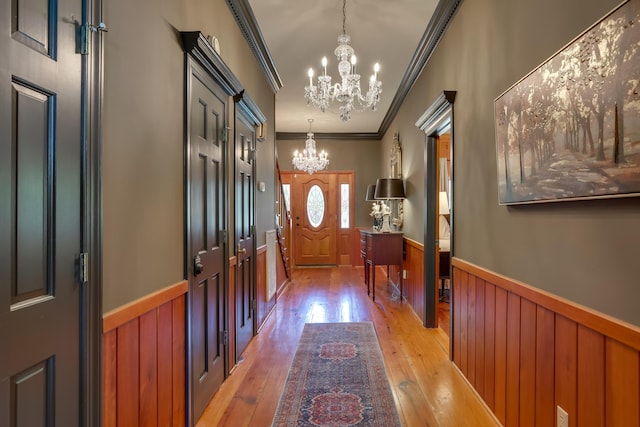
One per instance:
(373, 280)
(401, 274)
(368, 272)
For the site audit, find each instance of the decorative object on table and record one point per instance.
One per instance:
(388, 189)
(347, 92)
(337, 378)
(569, 129)
(376, 209)
(308, 160)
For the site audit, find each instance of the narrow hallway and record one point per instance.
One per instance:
(428, 389)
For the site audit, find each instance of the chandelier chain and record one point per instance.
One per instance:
(344, 16)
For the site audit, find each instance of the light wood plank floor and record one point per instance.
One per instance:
(428, 389)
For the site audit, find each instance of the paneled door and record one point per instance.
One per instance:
(314, 203)
(41, 151)
(207, 118)
(245, 138)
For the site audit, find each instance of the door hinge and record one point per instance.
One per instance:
(254, 304)
(225, 133)
(253, 230)
(223, 236)
(83, 267)
(225, 337)
(85, 31)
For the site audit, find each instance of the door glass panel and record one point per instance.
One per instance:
(344, 205)
(315, 206)
(286, 190)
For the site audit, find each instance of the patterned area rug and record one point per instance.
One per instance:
(337, 378)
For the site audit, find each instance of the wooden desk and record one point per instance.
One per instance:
(379, 248)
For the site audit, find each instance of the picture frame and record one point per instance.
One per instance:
(570, 129)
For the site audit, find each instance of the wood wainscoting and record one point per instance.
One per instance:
(414, 283)
(526, 351)
(143, 361)
(264, 305)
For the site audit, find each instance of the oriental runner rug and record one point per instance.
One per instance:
(337, 378)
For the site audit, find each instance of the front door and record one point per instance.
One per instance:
(313, 207)
(245, 138)
(41, 151)
(206, 234)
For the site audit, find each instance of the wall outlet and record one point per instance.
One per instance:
(563, 418)
(404, 274)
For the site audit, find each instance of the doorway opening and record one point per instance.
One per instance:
(437, 124)
(443, 230)
(322, 207)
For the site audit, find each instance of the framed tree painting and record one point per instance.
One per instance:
(570, 129)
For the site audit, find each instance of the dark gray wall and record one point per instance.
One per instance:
(143, 141)
(360, 156)
(582, 251)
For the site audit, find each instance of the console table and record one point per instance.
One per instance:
(378, 248)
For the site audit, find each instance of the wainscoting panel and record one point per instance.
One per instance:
(414, 283)
(143, 361)
(526, 351)
(264, 301)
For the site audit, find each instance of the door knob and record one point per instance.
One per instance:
(197, 266)
(241, 250)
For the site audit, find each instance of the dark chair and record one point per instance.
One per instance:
(445, 273)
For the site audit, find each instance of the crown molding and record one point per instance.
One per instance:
(246, 20)
(442, 16)
(340, 136)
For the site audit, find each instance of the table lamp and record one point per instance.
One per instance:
(388, 189)
(443, 203)
(376, 210)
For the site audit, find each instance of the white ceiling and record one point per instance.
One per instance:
(298, 33)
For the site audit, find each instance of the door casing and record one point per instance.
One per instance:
(245, 239)
(214, 297)
(87, 277)
(436, 120)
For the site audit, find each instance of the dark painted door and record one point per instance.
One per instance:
(40, 215)
(206, 228)
(245, 138)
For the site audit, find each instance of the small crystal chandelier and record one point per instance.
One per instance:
(308, 161)
(348, 92)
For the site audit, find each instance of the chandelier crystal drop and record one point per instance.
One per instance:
(347, 92)
(308, 160)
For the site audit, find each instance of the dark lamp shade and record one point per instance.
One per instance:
(389, 188)
(371, 193)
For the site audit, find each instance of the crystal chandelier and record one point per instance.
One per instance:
(308, 160)
(347, 92)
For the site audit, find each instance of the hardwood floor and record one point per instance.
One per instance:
(427, 387)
